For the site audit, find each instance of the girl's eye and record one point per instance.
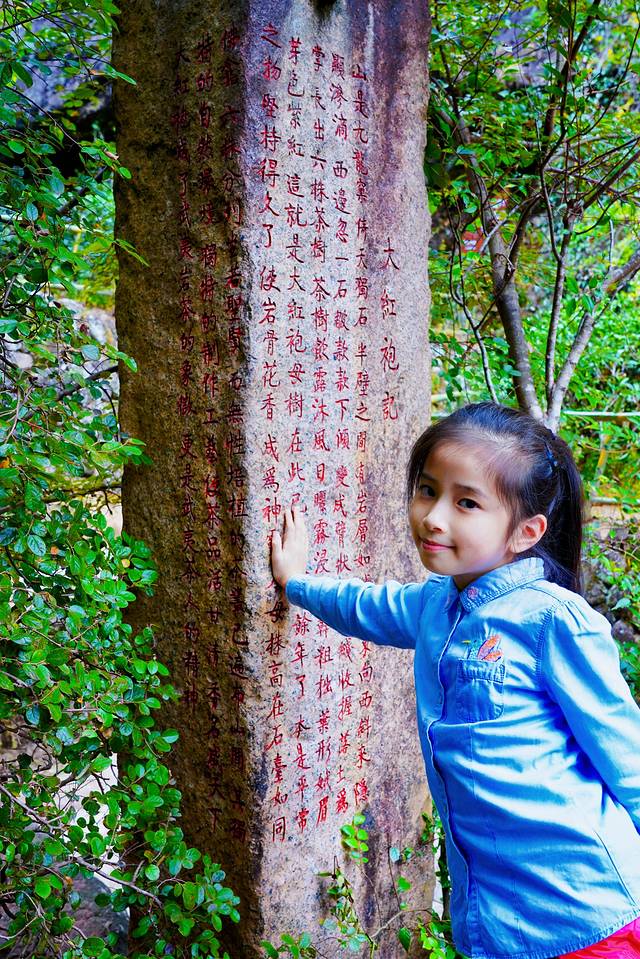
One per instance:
(468, 503)
(425, 490)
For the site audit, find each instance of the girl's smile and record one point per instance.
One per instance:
(430, 547)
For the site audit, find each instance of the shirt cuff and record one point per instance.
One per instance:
(294, 590)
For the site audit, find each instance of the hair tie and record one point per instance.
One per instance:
(551, 458)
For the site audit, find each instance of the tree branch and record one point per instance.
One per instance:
(475, 328)
(556, 307)
(610, 288)
(616, 279)
(589, 200)
(549, 120)
(503, 277)
(75, 857)
(96, 375)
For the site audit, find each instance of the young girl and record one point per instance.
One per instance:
(530, 736)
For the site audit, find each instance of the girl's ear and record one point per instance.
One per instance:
(528, 533)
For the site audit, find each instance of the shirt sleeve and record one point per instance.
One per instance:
(388, 614)
(581, 669)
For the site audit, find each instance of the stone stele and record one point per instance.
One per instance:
(279, 325)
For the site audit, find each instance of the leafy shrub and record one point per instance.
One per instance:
(78, 689)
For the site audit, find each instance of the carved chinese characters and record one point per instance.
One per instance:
(316, 347)
(212, 506)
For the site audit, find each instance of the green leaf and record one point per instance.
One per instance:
(42, 888)
(100, 763)
(91, 351)
(404, 936)
(270, 950)
(16, 146)
(185, 925)
(623, 603)
(111, 72)
(190, 893)
(8, 324)
(7, 535)
(56, 185)
(32, 497)
(36, 544)
(93, 946)
(142, 928)
(32, 715)
(23, 74)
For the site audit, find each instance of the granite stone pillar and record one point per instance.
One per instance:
(280, 330)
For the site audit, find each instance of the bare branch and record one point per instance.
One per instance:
(610, 288)
(547, 203)
(503, 277)
(565, 73)
(618, 278)
(556, 309)
(475, 327)
(611, 179)
(96, 375)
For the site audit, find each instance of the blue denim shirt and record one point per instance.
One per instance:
(531, 742)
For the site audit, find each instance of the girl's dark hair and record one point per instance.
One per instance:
(533, 471)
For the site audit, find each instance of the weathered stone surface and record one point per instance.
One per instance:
(281, 336)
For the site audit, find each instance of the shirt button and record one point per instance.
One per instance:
(472, 592)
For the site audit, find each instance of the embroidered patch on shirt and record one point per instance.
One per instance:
(490, 650)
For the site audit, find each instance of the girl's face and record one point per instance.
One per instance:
(459, 524)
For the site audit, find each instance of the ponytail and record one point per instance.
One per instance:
(561, 546)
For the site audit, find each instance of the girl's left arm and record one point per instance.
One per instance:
(581, 668)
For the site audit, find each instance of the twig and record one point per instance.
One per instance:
(96, 375)
(556, 306)
(621, 275)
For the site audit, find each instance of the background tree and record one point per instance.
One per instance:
(534, 165)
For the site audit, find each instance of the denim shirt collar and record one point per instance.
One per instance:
(496, 583)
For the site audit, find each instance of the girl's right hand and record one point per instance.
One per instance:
(289, 551)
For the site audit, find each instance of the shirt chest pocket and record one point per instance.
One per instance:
(479, 691)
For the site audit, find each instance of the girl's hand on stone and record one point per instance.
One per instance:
(289, 550)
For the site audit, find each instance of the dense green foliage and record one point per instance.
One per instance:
(77, 687)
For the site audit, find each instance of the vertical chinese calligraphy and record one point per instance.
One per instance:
(326, 373)
(210, 408)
